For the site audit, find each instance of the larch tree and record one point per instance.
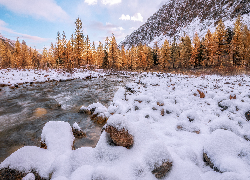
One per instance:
(93, 55)
(17, 55)
(194, 60)
(220, 41)
(79, 42)
(208, 49)
(185, 52)
(156, 53)
(87, 52)
(165, 55)
(246, 44)
(24, 54)
(113, 54)
(124, 58)
(105, 62)
(5, 55)
(237, 43)
(44, 60)
(99, 54)
(174, 54)
(59, 50)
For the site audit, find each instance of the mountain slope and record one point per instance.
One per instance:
(179, 17)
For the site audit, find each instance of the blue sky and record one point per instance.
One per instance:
(38, 21)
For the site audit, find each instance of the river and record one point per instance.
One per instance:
(26, 109)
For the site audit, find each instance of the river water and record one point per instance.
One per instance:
(25, 110)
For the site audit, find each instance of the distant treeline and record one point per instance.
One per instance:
(223, 48)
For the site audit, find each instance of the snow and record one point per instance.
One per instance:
(189, 126)
(76, 126)
(15, 76)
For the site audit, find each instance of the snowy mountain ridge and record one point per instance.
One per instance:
(186, 17)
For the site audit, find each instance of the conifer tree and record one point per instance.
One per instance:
(237, 43)
(59, 50)
(149, 54)
(5, 55)
(24, 55)
(93, 55)
(44, 60)
(185, 51)
(99, 55)
(113, 54)
(194, 60)
(246, 46)
(105, 62)
(220, 43)
(208, 49)
(79, 42)
(174, 53)
(87, 52)
(156, 53)
(139, 56)
(165, 53)
(17, 55)
(124, 58)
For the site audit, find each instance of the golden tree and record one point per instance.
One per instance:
(237, 43)
(220, 43)
(185, 51)
(17, 55)
(165, 53)
(79, 42)
(113, 54)
(246, 46)
(194, 61)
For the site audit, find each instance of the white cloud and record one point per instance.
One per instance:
(121, 28)
(125, 17)
(3, 28)
(111, 2)
(91, 2)
(45, 9)
(137, 17)
(2, 23)
(132, 28)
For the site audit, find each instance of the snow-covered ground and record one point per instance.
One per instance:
(14, 76)
(169, 122)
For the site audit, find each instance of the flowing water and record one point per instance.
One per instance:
(25, 110)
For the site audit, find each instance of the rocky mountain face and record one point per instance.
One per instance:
(180, 17)
(11, 43)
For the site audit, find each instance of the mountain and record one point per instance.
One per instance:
(180, 17)
(11, 43)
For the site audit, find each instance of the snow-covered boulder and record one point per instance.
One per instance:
(58, 137)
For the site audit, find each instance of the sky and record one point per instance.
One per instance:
(38, 21)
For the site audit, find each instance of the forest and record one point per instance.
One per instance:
(223, 48)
